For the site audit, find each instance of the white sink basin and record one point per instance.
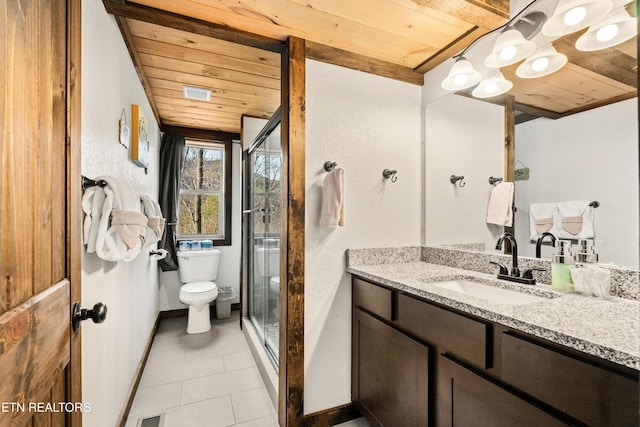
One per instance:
(489, 293)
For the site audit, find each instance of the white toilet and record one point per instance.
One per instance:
(198, 270)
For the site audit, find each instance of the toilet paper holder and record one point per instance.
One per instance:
(158, 253)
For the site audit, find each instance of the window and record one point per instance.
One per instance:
(204, 205)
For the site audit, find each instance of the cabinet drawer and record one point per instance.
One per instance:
(372, 298)
(461, 336)
(590, 393)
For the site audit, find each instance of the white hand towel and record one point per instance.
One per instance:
(156, 223)
(332, 213)
(500, 208)
(110, 246)
(92, 201)
(575, 220)
(542, 217)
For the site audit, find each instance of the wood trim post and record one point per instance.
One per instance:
(510, 152)
(291, 367)
(74, 194)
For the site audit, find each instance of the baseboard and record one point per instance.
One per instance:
(179, 312)
(332, 416)
(124, 414)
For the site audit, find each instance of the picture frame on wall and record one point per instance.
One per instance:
(139, 137)
(124, 131)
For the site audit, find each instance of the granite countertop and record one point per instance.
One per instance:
(607, 328)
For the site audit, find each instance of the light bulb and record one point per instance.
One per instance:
(491, 87)
(540, 64)
(508, 53)
(460, 79)
(606, 33)
(575, 16)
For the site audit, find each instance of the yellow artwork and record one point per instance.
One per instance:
(139, 137)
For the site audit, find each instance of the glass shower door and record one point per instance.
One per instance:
(265, 162)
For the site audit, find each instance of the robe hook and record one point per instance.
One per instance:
(388, 173)
(459, 179)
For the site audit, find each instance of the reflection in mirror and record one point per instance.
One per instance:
(587, 156)
(591, 155)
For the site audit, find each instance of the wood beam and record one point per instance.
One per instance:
(510, 154)
(335, 56)
(152, 15)
(453, 48)
(292, 228)
(214, 135)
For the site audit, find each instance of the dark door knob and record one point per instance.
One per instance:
(98, 314)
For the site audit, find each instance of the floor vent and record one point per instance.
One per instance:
(153, 421)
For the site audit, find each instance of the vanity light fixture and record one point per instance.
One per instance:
(616, 28)
(544, 61)
(573, 15)
(461, 76)
(509, 48)
(493, 85)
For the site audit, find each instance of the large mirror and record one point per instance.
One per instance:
(592, 155)
(576, 135)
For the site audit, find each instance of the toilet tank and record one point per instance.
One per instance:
(198, 266)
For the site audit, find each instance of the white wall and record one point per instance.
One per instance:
(464, 137)
(365, 123)
(230, 256)
(111, 351)
(592, 155)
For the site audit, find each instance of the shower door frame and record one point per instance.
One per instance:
(249, 237)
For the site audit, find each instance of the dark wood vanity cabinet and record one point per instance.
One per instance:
(391, 377)
(415, 363)
(476, 401)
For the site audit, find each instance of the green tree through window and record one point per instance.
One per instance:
(201, 199)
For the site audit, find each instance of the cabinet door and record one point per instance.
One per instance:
(478, 402)
(391, 374)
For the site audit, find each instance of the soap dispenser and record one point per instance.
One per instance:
(586, 252)
(561, 264)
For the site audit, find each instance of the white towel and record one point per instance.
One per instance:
(92, 202)
(542, 217)
(575, 220)
(500, 208)
(155, 226)
(110, 246)
(332, 213)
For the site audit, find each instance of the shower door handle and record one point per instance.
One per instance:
(250, 211)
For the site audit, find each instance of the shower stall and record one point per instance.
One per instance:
(263, 164)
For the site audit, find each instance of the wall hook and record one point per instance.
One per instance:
(455, 178)
(329, 165)
(493, 180)
(388, 173)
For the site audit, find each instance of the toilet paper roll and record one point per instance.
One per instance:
(159, 254)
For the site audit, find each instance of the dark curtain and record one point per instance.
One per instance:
(171, 162)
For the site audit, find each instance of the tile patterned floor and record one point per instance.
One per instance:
(204, 380)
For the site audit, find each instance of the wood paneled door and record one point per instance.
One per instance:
(39, 212)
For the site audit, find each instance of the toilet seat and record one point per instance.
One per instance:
(274, 283)
(195, 288)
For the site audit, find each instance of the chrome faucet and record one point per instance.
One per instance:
(540, 239)
(514, 252)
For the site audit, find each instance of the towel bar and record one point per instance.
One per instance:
(88, 182)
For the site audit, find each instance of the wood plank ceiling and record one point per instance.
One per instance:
(401, 39)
